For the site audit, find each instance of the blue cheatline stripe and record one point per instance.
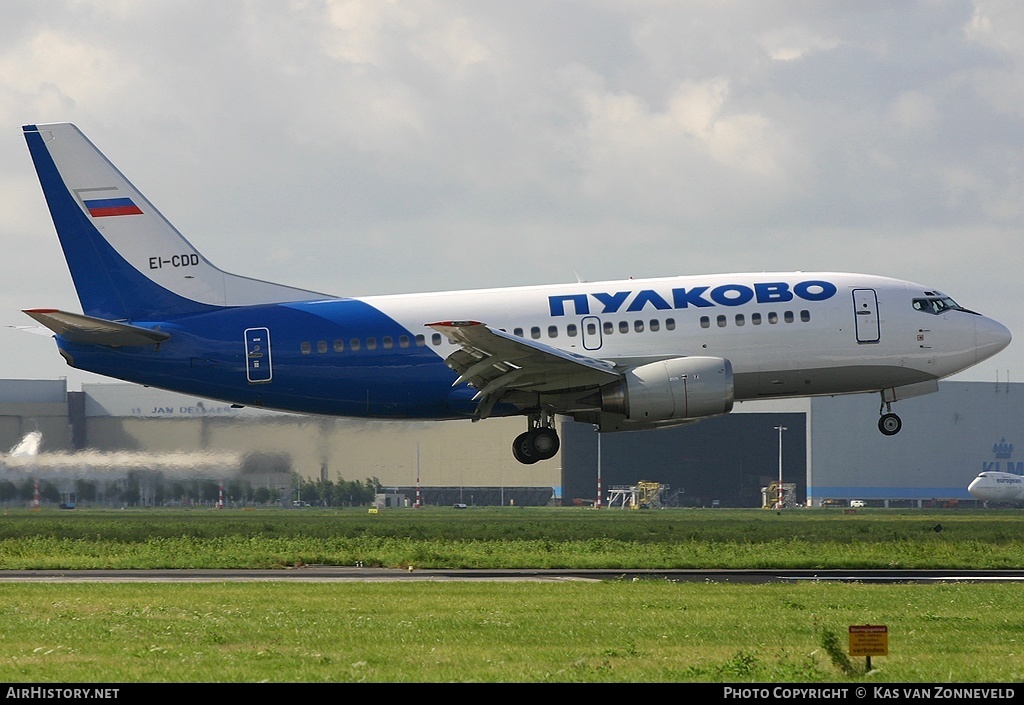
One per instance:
(854, 492)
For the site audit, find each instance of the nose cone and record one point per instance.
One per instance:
(990, 337)
(974, 486)
(982, 487)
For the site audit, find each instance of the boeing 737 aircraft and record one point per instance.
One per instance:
(623, 355)
(992, 486)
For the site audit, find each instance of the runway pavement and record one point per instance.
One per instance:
(319, 573)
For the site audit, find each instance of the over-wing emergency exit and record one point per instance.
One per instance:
(624, 355)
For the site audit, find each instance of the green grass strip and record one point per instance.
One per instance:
(628, 631)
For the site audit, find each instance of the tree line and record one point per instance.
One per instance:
(153, 489)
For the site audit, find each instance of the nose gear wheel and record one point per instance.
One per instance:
(889, 423)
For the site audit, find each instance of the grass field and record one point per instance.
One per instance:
(614, 631)
(494, 537)
(637, 632)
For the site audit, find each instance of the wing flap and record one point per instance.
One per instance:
(79, 328)
(496, 363)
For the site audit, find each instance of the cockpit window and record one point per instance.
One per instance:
(937, 305)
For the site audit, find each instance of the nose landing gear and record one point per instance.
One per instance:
(889, 423)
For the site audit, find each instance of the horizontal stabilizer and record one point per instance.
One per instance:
(77, 328)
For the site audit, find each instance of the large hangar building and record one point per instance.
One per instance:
(831, 449)
(472, 461)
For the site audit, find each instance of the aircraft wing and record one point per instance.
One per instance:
(495, 363)
(78, 328)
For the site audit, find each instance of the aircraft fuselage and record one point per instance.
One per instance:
(373, 356)
(992, 486)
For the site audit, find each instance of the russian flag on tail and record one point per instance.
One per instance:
(103, 207)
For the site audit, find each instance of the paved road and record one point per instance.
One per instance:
(354, 574)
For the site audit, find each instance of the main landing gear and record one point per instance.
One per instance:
(889, 423)
(540, 442)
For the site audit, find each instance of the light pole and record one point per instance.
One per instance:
(418, 502)
(780, 429)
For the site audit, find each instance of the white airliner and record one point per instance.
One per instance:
(992, 486)
(623, 355)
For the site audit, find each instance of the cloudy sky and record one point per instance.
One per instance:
(376, 147)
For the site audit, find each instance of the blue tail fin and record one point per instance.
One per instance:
(127, 261)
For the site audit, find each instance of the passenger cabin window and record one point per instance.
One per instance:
(321, 346)
(723, 321)
(552, 331)
(570, 330)
(305, 347)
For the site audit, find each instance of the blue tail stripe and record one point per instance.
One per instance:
(107, 285)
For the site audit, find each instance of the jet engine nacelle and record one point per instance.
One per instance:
(671, 390)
